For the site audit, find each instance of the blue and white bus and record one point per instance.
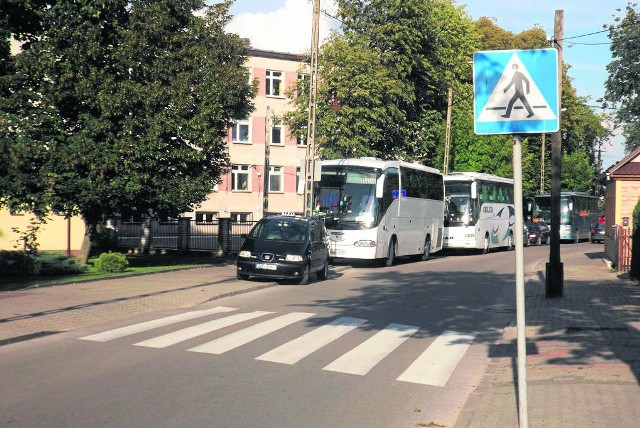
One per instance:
(579, 213)
(377, 209)
(480, 211)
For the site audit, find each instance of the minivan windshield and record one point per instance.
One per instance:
(279, 229)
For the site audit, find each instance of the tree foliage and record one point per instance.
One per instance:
(383, 84)
(120, 107)
(384, 78)
(623, 83)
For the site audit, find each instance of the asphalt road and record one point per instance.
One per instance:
(369, 347)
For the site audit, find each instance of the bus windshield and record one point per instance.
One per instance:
(459, 204)
(347, 198)
(542, 209)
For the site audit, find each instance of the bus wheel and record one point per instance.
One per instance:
(391, 258)
(427, 248)
(485, 245)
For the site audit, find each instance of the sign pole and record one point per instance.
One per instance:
(520, 306)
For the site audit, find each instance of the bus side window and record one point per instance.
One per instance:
(391, 185)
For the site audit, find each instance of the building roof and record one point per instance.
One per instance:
(626, 166)
(276, 55)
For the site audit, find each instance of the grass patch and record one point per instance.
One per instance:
(138, 265)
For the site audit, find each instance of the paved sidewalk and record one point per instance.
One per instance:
(583, 355)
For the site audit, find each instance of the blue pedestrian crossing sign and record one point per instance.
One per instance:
(516, 92)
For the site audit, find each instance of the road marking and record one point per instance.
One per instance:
(437, 362)
(149, 325)
(198, 330)
(364, 357)
(297, 349)
(249, 334)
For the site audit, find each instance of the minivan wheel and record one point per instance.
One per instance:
(323, 273)
(304, 280)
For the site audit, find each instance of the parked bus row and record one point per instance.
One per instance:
(377, 209)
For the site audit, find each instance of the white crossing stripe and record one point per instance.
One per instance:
(435, 365)
(297, 349)
(365, 356)
(241, 337)
(149, 325)
(198, 330)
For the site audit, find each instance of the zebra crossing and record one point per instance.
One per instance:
(433, 367)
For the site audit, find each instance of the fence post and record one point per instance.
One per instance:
(184, 234)
(224, 236)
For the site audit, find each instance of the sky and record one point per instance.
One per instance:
(285, 26)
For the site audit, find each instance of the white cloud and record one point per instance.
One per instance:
(286, 29)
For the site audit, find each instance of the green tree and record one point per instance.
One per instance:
(383, 81)
(622, 85)
(120, 107)
(578, 172)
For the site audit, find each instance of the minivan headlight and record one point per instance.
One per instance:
(244, 254)
(293, 258)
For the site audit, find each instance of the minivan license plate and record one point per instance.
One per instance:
(266, 266)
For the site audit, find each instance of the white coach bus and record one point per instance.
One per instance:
(376, 209)
(479, 212)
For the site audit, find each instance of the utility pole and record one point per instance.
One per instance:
(542, 163)
(267, 142)
(310, 157)
(447, 142)
(555, 272)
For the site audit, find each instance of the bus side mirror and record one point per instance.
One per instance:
(380, 187)
(474, 190)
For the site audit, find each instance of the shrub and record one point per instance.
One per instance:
(111, 262)
(56, 264)
(16, 263)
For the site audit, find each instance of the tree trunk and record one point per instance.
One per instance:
(85, 248)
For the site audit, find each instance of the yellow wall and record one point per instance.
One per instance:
(628, 194)
(53, 236)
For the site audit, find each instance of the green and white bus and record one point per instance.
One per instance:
(480, 211)
(579, 213)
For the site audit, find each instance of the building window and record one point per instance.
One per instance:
(206, 216)
(240, 131)
(241, 217)
(301, 138)
(240, 177)
(276, 178)
(274, 83)
(277, 135)
(299, 181)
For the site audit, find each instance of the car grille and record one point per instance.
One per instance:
(268, 257)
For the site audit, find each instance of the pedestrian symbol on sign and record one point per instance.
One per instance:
(526, 102)
(517, 82)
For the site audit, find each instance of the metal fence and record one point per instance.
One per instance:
(624, 249)
(182, 235)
